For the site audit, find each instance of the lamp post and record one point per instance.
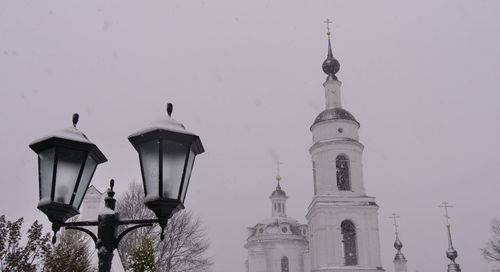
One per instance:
(67, 161)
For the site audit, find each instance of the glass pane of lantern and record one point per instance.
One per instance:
(189, 168)
(149, 161)
(87, 174)
(174, 157)
(69, 163)
(46, 168)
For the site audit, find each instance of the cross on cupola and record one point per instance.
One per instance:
(446, 205)
(278, 177)
(330, 66)
(328, 22)
(395, 217)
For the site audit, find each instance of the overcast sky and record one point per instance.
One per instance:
(421, 77)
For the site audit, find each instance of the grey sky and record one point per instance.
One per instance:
(421, 77)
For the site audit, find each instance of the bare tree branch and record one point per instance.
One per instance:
(185, 244)
(491, 251)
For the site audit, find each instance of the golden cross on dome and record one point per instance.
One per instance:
(446, 205)
(328, 22)
(395, 217)
(278, 177)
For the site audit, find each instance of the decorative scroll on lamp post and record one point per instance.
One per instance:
(67, 161)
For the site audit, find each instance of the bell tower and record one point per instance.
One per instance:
(342, 219)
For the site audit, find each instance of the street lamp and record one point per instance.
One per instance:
(67, 161)
(166, 153)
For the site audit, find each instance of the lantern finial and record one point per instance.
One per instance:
(170, 108)
(109, 201)
(75, 119)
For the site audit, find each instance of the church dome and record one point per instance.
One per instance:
(334, 114)
(274, 221)
(274, 227)
(398, 245)
(331, 66)
(278, 192)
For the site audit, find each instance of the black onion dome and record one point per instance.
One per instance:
(331, 65)
(398, 245)
(278, 192)
(334, 114)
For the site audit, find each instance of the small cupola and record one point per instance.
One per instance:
(278, 199)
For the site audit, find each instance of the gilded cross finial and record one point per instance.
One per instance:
(395, 217)
(446, 205)
(328, 22)
(278, 177)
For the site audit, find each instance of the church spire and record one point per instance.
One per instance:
(451, 253)
(399, 258)
(331, 65)
(332, 85)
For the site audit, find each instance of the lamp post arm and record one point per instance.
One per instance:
(139, 224)
(119, 238)
(80, 224)
(138, 221)
(90, 233)
(56, 226)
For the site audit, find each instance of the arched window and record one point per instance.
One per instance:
(343, 175)
(349, 241)
(284, 264)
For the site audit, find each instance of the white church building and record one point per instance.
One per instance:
(342, 231)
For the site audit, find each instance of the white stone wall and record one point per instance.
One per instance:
(324, 155)
(332, 94)
(328, 130)
(400, 266)
(257, 260)
(307, 261)
(265, 256)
